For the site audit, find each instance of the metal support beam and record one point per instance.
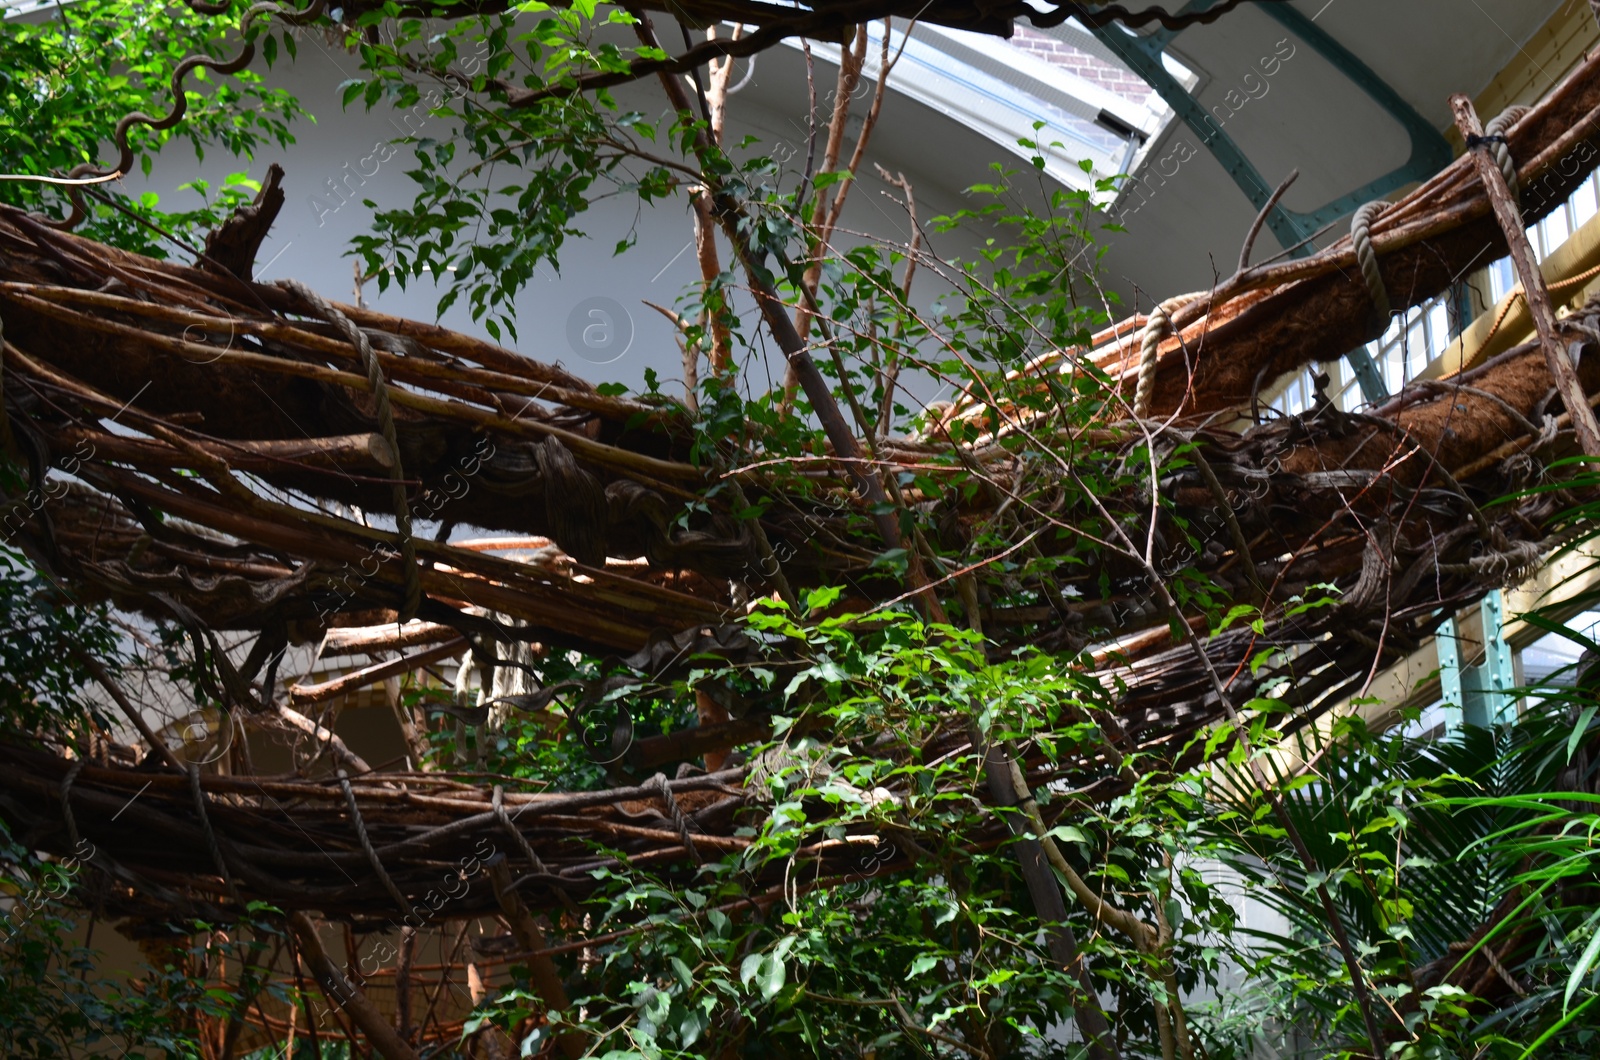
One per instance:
(1429, 150)
(1373, 388)
(1462, 311)
(1498, 677)
(1450, 691)
(1143, 55)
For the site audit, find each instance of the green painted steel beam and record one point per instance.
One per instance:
(1429, 150)
(1499, 679)
(1450, 690)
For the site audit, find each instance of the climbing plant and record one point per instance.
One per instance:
(1028, 878)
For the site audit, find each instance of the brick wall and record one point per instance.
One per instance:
(1115, 79)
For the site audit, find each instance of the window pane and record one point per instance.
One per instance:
(1416, 347)
(1502, 277)
(1555, 229)
(1438, 327)
(1583, 203)
(1553, 659)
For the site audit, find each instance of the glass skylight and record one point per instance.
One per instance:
(1097, 108)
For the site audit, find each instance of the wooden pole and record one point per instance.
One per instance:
(542, 971)
(1049, 904)
(1561, 363)
(344, 993)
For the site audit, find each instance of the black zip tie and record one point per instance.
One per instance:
(1494, 137)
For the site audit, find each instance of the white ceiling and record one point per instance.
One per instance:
(1311, 117)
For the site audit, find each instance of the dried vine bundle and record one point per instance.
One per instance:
(159, 412)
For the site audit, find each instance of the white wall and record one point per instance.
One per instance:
(344, 157)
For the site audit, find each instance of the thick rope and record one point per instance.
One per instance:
(211, 836)
(380, 395)
(66, 801)
(1156, 328)
(1495, 134)
(680, 820)
(517, 837)
(366, 845)
(534, 861)
(1367, 257)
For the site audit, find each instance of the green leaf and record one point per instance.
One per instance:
(771, 975)
(817, 599)
(892, 559)
(1067, 833)
(1581, 969)
(692, 1026)
(1237, 611)
(1552, 1031)
(1580, 729)
(749, 967)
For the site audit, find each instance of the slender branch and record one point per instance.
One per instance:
(1534, 291)
(1049, 904)
(775, 313)
(1261, 218)
(1147, 939)
(131, 712)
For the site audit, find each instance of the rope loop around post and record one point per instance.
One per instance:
(1494, 135)
(366, 844)
(412, 601)
(1367, 258)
